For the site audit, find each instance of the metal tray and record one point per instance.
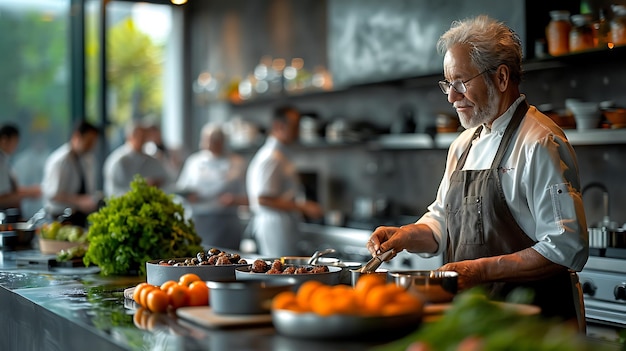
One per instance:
(311, 325)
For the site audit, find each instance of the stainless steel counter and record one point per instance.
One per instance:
(77, 309)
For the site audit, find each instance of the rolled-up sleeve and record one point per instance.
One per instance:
(555, 202)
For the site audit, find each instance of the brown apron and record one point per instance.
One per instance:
(480, 224)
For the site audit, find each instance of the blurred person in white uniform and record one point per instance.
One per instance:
(11, 194)
(69, 179)
(128, 160)
(274, 189)
(155, 147)
(213, 180)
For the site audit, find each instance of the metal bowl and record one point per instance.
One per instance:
(332, 277)
(430, 286)
(355, 274)
(157, 274)
(245, 296)
(338, 326)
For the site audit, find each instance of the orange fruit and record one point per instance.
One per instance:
(286, 300)
(137, 291)
(188, 278)
(410, 303)
(306, 291)
(141, 314)
(157, 301)
(344, 300)
(380, 296)
(322, 301)
(198, 294)
(143, 294)
(178, 296)
(365, 283)
(167, 285)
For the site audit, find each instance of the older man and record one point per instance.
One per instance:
(508, 211)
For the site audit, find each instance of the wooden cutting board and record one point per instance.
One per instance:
(204, 316)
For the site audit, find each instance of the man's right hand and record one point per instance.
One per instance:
(411, 237)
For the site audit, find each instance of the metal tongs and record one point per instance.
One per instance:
(376, 261)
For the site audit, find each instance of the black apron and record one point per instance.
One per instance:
(480, 224)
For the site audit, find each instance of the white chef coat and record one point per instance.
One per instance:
(271, 173)
(539, 163)
(209, 176)
(121, 166)
(61, 175)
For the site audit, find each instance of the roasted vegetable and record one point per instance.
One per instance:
(143, 224)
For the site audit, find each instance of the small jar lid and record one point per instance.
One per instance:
(560, 15)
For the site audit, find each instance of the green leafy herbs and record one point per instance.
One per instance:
(143, 224)
(475, 323)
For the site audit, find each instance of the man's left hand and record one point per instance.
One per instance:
(471, 272)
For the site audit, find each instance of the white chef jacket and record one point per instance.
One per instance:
(539, 163)
(61, 175)
(121, 166)
(271, 173)
(209, 176)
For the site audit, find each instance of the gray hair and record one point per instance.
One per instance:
(492, 43)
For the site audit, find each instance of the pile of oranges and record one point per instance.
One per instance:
(371, 296)
(189, 290)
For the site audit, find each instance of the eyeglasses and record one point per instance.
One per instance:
(458, 85)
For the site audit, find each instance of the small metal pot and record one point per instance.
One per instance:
(430, 286)
(355, 274)
(245, 296)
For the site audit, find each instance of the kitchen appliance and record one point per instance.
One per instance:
(603, 282)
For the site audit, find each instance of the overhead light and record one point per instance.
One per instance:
(178, 2)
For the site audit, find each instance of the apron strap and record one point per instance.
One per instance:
(516, 120)
(461, 163)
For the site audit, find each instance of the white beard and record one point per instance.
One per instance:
(482, 115)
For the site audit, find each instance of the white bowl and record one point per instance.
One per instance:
(587, 114)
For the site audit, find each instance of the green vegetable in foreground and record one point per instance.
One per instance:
(475, 323)
(141, 225)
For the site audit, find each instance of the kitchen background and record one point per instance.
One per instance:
(382, 60)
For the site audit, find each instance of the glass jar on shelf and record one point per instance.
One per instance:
(557, 33)
(602, 31)
(618, 25)
(581, 33)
